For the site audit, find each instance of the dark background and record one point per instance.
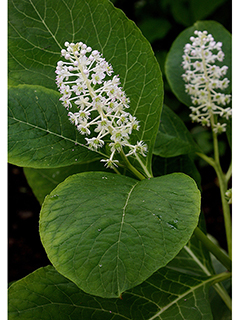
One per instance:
(25, 253)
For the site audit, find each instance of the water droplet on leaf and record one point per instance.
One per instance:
(55, 196)
(173, 224)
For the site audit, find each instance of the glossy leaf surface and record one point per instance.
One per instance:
(40, 134)
(108, 233)
(45, 294)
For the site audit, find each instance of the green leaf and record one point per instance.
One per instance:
(108, 233)
(39, 30)
(43, 181)
(173, 138)
(45, 294)
(173, 68)
(186, 12)
(219, 309)
(181, 13)
(183, 163)
(203, 8)
(40, 134)
(193, 259)
(154, 29)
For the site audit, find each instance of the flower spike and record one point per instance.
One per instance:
(204, 80)
(99, 103)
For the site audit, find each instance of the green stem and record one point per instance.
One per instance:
(221, 290)
(209, 160)
(223, 184)
(148, 174)
(226, 208)
(131, 167)
(214, 249)
(116, 170)
(229, 173)
(215, 140)
(223, 294)
(216, 165)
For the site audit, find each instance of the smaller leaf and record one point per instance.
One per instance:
(193, 259)
(173, 138)
(40, 134)
(154, 29)
(181, 13)
(43, 181)
(183, 163)
(186, 12)
(203, 8)
(45, 294)
(219, 309)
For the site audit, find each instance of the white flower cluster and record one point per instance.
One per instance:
(85, 83)
(203, 79)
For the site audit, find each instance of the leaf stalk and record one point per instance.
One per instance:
(223, 184)
(214, 249)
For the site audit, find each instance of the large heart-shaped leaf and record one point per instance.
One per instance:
(173, 67)
(108, 233)
(45, 294)
(38, 31)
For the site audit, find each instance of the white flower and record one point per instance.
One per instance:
(83, 102)
(116, 146)
(83, 127)
(110, 163)
(98, 77)
(73, 117)
(85, 84)
(203, 79)
(79, 88)
(94, 143)
(140, 147)
(219, 128)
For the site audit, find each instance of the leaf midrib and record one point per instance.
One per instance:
(203, 283)
(120, 233)
(55, 134)
(45, 25)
